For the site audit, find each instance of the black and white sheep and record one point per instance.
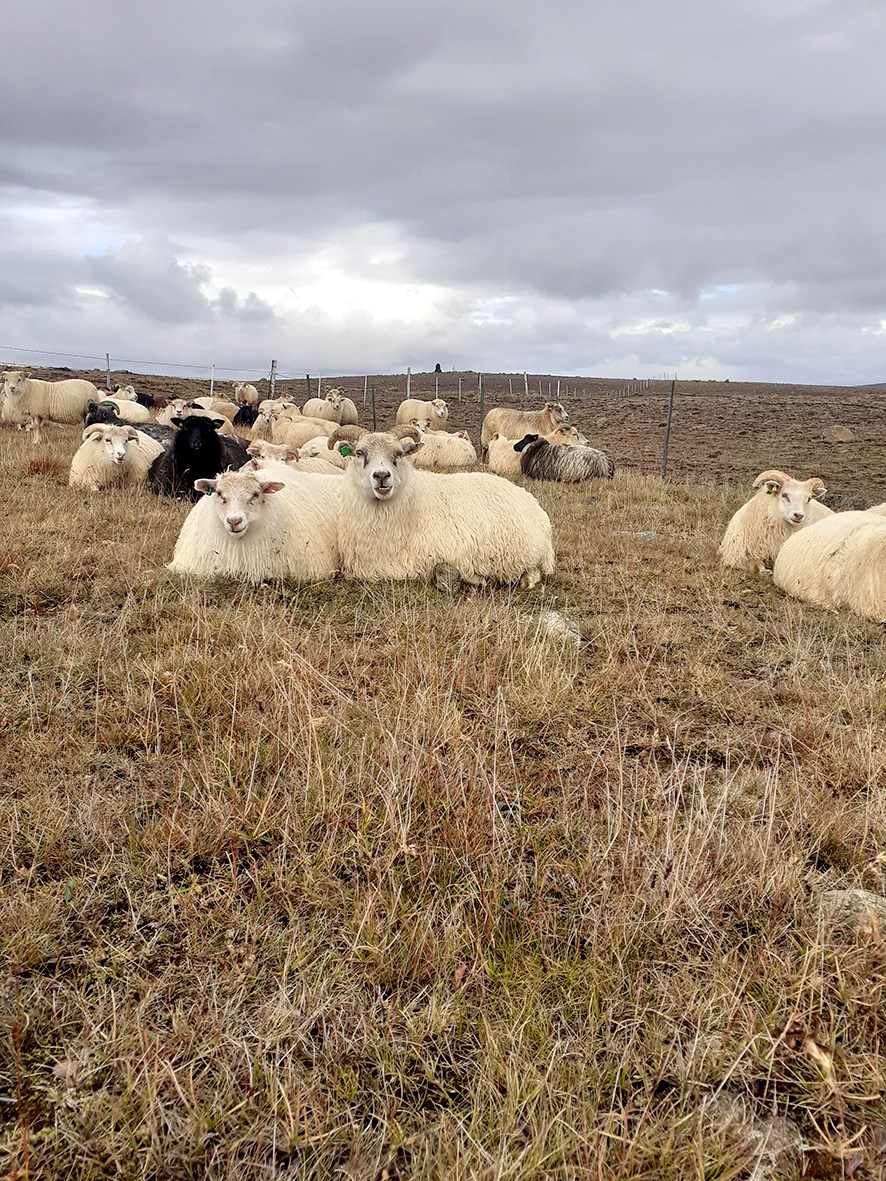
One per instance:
(569, 464)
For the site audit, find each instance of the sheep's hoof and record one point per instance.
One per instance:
(447, 578)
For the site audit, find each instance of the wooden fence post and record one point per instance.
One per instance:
(108, 381)
(667, 437)
(272, 383)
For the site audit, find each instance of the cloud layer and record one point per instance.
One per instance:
(609, 188)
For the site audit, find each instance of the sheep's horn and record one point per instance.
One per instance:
(349, 434)
(773, 474)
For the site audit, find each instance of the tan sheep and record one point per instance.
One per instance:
(780, 507)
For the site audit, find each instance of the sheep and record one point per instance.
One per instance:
(197, 450)
(295, 432)
(227, 410)
(503, 458)
(400, 523)
(313, 456)
(256, 525)
(569, 464)
(244, 392)
(105, 414)
(128, 409)
(174, 409)
(516, 424)
(879, 509)
(126, 392)
(435, 412)
(245, 417)
(780, 507)
(109, 455)
(134, 395)
(837, 562)
(9, 412)
(347, 409)
(223, 424)
(442, 451)
(328, 408)
(47, 401)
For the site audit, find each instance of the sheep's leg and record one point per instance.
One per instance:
(530, 578)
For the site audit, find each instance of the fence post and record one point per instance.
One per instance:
(365, 386)
(212, 382)
(459, 387)
(108, 382)
(480, 391)
(373, 407)
(308, 386)
(510, 387)
(272, 380)
(526, 385)
(540, 394)
(408, 382)
(667, 438)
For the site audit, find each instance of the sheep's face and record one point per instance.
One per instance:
(378, 463)
(422, 424)
(14, 384)
(333, 397)
(114, 439)
(441, 409)
(240, 499)
(793, 497)
(271, 451)
(557, 412)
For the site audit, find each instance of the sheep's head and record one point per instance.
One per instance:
(793, 496)
(333, 396)
(567, 436)
(240, 498)
(277, 452)
(557, 412)
(423, 425)
(126, 393)
(440, 408)
(13, 383)
(114, 439)
(377, 462)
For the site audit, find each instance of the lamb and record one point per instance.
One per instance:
(128, 409)
(112, 455)
(47, 401)
(781, 506)
(105, 414)
(400, 523)
(569, 464)
(196, 451)
(435, 412)
(837, 562)
(244, 392)
(256, 526)
(516, 424)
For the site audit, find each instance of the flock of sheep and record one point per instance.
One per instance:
(305, 494)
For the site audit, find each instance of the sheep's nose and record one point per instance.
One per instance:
(798, 517)
(381, 478)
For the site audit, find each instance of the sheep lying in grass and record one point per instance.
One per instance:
(503, 457)
(838, 562)
(295, 432)
(780, 507)
(399, 523)
(256, 526)
(112, 455)
(442, 451)
(107, 414)
(435, 413)
(314, 456)
(196, 451)
(516, 424)
(217, 406)
(47, 401)
(569, 464)
(128, 410)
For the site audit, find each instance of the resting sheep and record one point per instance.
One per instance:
(295, 432)
(256, 526)
(47, 401)
(516, 424)
(128, 409)
(569, 464)
(435, 413)
(106, 414)
(780, 507)
(503, 457)
(838, 562)
(314, 456)
(442, 451)
(196, 451)
(109, 455)
(400, 523)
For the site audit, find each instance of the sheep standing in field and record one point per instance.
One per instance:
(196, 451)
(516, 424)
(435, 413)
(244, 392)
(399, 523)
(838, 562)
(112, 455)
(47, 401)
(780, 507)
(256, 526)
(567, 464)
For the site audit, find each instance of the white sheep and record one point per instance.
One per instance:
(48, 401)
(9, 412)
(244, 392)
(313, 456)
(516, 424)
(261, 524)
(399, 523)
(112, 455)
(442, 451)
(220, 406)
(502, 458)
(780, 507)
(327, 408)
(879, 509)
(435, 412)
(295, 432)
(838, 562)
(127, 410)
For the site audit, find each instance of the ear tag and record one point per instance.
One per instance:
(344, 450)
(769, 491)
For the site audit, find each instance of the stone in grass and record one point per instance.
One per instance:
(838, 434)
(773, 1147)
(859, 911)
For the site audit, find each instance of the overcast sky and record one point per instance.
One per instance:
(600, 187)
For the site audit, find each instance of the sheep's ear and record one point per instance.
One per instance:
(343, 447)
(525, 441)
(203, 485)
(132, 435)
(410, 445)
(217, 422)
(290, 454)
(271, 485)
(817, 488)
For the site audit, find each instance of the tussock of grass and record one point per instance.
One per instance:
(374, 881)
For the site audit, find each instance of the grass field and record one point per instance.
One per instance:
(374, 882)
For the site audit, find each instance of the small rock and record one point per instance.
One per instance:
(856, 910)
(838, 434)
(447, 578)
(774, 1146)
(558, 625)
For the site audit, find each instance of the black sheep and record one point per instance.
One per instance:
(245, 416)
(197, 452)
(95, 413)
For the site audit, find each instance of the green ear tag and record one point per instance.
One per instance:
(344, 450)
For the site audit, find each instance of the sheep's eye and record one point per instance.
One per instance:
(253, 497)
(222, 498)
(360, 453)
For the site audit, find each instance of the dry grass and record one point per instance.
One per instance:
(376, 883)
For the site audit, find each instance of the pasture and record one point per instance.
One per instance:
(377, 882)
